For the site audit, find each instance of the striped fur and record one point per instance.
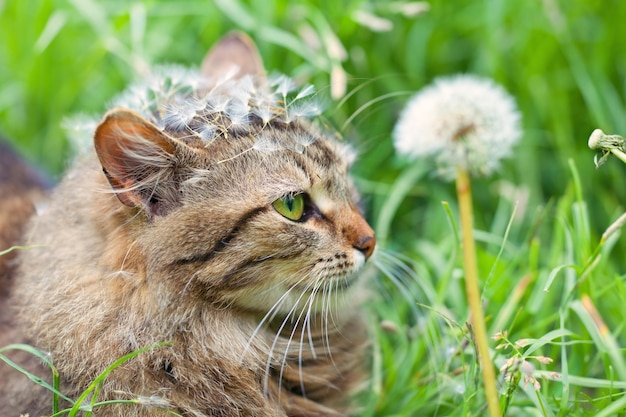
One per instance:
(167, 232)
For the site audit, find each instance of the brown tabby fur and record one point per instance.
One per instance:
(159, 236)
(20, 188)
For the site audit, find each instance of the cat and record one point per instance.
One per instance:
(216, 218)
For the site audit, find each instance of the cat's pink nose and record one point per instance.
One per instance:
(367, 245)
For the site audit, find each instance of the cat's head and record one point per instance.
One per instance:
(241, 197)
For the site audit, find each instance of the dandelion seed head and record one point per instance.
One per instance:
(283, 84)
(207, 132)
(179, 115)
(306, 91)
(304, 109)
(462, 121)
(266, 143)
(218, 103)
(264, 112)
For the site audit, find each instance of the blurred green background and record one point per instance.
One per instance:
(538, 221)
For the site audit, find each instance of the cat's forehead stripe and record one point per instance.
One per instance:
(299, 162)
(315, 162)
(325, 156)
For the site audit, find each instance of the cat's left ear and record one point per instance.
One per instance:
(138, 161)
(235, 51)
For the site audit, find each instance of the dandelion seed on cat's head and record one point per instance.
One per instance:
(462, 121)
(266, 143)
(179, 116)
(283, 85)
(175, 98)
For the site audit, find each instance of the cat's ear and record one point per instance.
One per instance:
(235, 50)
(137, 159)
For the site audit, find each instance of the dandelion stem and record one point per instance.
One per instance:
(620, 155)
(472, 289)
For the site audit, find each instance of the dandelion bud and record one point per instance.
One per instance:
(462, 121)
(600, 140)
(606, 145)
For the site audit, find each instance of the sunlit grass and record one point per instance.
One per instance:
(549, 277)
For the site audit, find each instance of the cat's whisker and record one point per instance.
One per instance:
(400, 275)
(307, 329)
(335, 293)
(326, 310)
(313, 300)
(370, 103)
(328, 313)
(267, 318)
(277, 336)
(306, 313)
(304, 320)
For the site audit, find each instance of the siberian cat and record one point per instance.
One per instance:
(217, 215)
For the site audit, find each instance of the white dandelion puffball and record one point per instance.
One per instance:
(462, 121)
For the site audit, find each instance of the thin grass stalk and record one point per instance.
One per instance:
(472, 288)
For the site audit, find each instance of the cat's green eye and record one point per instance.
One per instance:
(290, 206)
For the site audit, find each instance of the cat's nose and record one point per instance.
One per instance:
(360, 234)
(367, 245)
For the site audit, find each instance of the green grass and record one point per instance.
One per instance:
(547, 278)
(87, 402)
